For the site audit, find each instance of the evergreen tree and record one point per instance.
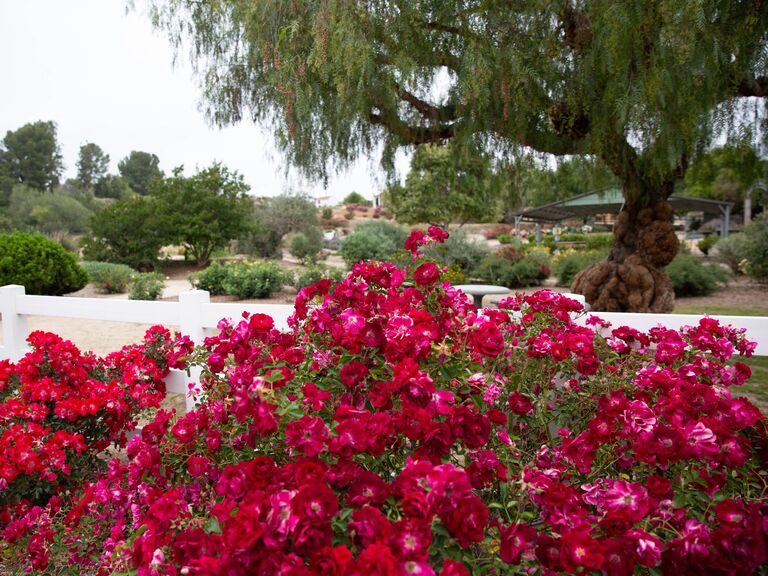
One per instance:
(92, 165)
(31, 156)
(139, 169)
(641, 84)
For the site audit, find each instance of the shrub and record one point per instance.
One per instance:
(733, 251)
(757, 248)
(504, 238)
(397, 234)
(109, 278)
(395, 430)
(147, 286)
(692, 277)
(306, 246)
(366, 245)
(40, 265)
(356, 198)
(507, 272)
(457, 250)
(566, 265)
(312, 274)
(599, 241)
(326, 214)
(246, 280)
(706, 243)
(127, 232)
(211, 279)
(61, 409)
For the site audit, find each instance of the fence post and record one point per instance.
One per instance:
(192, 325)
(14, 325)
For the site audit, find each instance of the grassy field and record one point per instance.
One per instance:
(723, 310)
(756, 388)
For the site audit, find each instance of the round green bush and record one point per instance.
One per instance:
(512, 274)
(313, 274)
(396, 233)
(757, 248)
(109, 278)
(706, 243)
(456, 250)
(307, 245)
(211, 279)
(41, 265)
(566, 266)
(246, 280)
(692, 277)
(366, 245)
(147, 286)
(733, 251)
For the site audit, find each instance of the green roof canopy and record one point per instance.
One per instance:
(610, 201)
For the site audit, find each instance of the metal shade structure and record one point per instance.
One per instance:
(611, 200)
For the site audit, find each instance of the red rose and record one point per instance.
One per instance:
(378, 560)
(332, 561)
(242, 531)
(197, 465)
(315, 504)
(488, 339)
(519, 404)
(261, 323)
(426, 274)
(454, 568)
(515, 540)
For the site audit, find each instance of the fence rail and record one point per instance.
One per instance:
(194, 313)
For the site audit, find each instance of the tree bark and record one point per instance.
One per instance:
(632, 278)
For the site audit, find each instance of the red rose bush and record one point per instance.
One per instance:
(396, 429)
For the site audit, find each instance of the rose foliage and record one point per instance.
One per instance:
(398, 430)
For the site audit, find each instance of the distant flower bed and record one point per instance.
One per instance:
(397, 430)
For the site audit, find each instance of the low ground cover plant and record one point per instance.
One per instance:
(109, 278)
(41, 265)
(396, 429)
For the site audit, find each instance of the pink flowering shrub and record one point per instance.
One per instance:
(59, 410)
(398, 430)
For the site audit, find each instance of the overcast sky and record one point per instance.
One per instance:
(105, 76)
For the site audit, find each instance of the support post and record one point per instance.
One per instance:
(191, 325)
(15, 329)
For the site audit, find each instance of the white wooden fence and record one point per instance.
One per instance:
(194, 313)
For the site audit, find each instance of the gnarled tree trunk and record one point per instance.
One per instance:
(632, 278)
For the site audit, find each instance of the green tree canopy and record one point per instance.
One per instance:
(204, 211)
(112, 186)
(441, 188)
(725, 173)
(642, 85)
(31, 156)
(357, 199)
(139, 169)
(92, 164)
(127, 232)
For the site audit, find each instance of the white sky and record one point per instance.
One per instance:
(105, 76)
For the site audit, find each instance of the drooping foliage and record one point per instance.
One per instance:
(641, 85)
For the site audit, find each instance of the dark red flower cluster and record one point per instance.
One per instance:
(398, 430)
(59, 409)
